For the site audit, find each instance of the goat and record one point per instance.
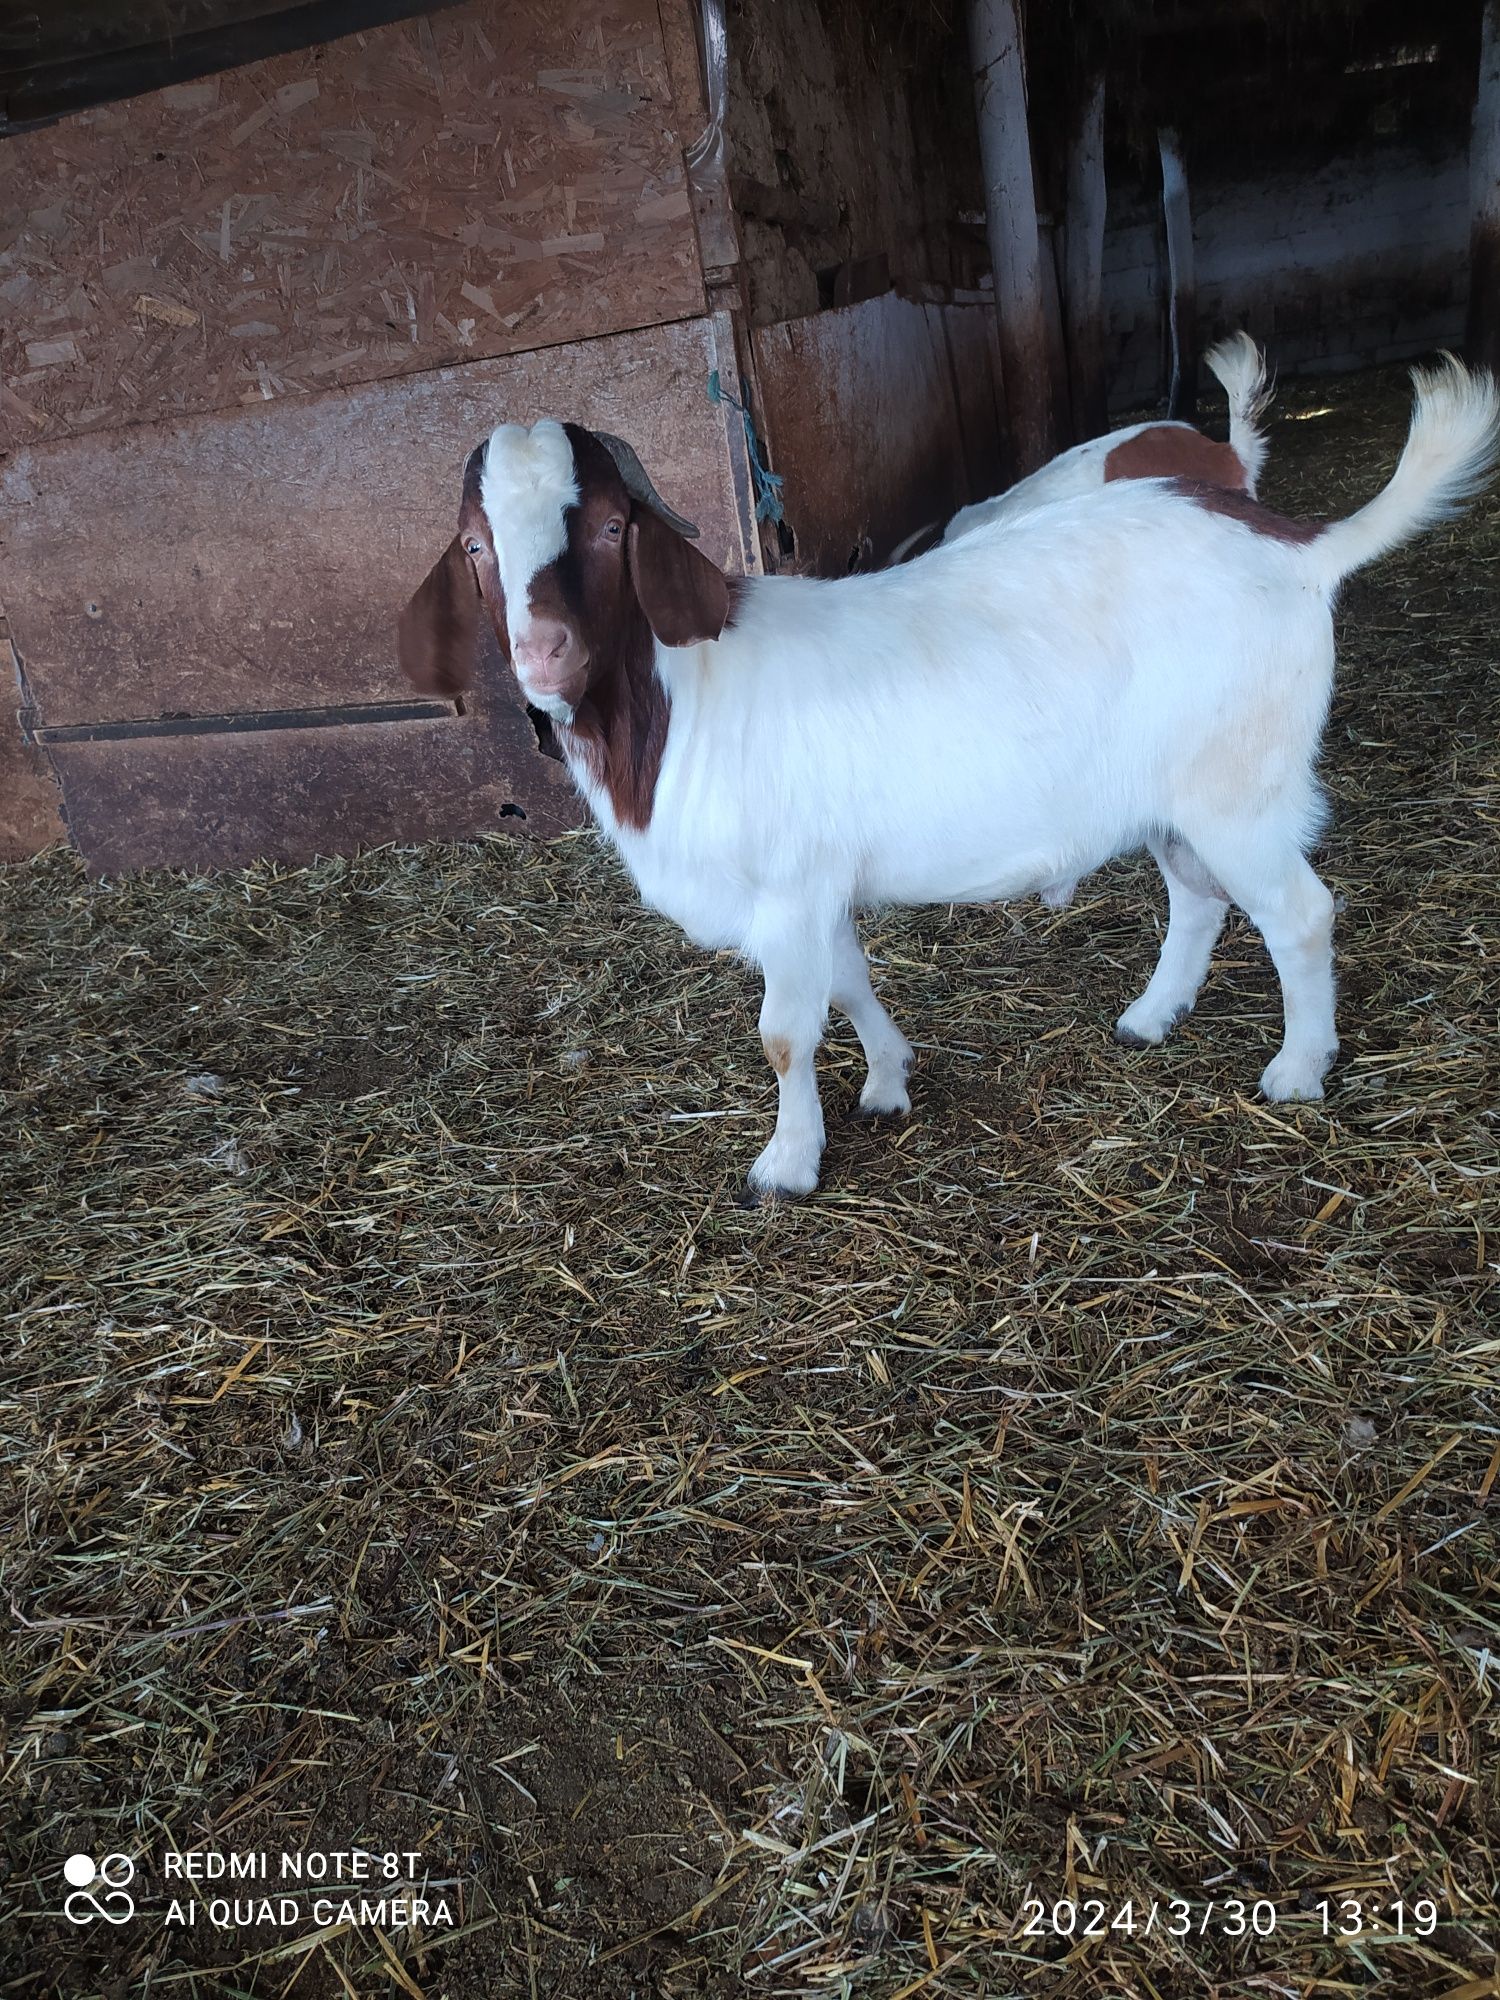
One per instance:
(1141, 451)
(1147, 664)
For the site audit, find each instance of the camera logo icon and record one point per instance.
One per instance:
(115, 1873)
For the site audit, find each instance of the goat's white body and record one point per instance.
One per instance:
(1003, 715)
(958, 731)
(1079, 470)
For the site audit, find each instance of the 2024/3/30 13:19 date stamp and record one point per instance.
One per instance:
(1368, 1918)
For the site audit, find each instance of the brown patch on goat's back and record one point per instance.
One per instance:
(1240, 507)
(1171, 451)
(778, 1052)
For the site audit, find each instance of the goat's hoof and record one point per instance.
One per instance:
(1294, 1080)
(896, 1105)
(752, 1195)
(780, 1175)
(885, 1094)
(1140, 1031)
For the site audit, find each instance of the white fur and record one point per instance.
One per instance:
(1240, 367)
(1449, 456)
(1080, 470)
(1002, 716)
(526, 484)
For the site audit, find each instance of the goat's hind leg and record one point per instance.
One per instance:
(1196, 908)
(1263, 868)
(887, 1051)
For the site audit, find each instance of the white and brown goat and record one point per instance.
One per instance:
(1149, 662)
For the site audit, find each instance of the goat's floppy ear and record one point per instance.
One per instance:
(439, 632)
(685, 597)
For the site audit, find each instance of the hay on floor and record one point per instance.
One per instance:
(409, 1444)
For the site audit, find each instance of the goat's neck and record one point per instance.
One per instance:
(619, 731)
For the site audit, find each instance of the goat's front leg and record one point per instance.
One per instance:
(887, 1051)
(794, 949)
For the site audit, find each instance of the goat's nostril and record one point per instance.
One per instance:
(545, 643)
(550, 652)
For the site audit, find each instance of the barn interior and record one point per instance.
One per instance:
(262, 291)
(411, 1442)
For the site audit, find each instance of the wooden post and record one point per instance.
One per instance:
(1182, 306)
(696, 47)
(1482, 340)
(1063, 431)
(1083, 261)
(998, 59)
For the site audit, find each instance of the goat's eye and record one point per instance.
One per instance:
(614, 529)
(474, 546)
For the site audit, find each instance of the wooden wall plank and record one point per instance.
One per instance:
(488, 180)
(857, 123)
(1087, 206)
(1026, 328)
(219, 801)
(30, 803)
(258, 559)
(86, 54)
(1182, 283)
(899, 398)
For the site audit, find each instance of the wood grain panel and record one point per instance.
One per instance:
(259, 559)
(899, 397)
(492, 178)
(227, 569)
(30, 804)
(216, 801)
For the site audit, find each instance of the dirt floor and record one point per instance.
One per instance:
(409, 1446)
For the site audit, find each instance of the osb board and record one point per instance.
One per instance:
(30, 818)
(258, 559)
(218, 801)
(484, 180)
(881, 417)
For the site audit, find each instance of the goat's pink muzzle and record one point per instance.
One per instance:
(550, 660)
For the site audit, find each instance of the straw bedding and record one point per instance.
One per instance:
(409, 1444)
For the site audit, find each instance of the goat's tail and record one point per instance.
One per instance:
(1240, 367)
(916, 544)
(1449, 456)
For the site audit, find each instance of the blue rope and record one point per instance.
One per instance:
(767, 484)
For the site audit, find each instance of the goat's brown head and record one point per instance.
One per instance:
(566, 542)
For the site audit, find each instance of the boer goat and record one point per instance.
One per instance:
(1147, 663)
